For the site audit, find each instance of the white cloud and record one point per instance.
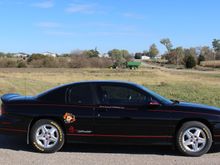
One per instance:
(44, 4)
(81, 8)
(48, 25)
(115, 34)
(57, 33)
(60, 33)
(133, 15)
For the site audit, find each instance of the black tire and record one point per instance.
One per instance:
(190, 126)
(58, 134)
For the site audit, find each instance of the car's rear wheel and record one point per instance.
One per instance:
(47, 136)
(194, 139)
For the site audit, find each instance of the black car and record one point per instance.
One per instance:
(109, 112)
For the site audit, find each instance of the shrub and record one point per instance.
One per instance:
(39, 61)
(95, 62)
(22, 64)
(8, 63)
(43, 62)
(190, 61)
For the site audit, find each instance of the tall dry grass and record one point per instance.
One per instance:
(187, 85)
(213, 64)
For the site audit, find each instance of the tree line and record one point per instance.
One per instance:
(75, 59)
(189, 57)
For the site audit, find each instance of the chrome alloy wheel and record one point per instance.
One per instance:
(47, 136)
(194, 139)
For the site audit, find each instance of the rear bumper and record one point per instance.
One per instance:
(9, 126)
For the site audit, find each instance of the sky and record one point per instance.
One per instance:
(61, 26)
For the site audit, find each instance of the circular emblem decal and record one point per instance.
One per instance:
(69, 118)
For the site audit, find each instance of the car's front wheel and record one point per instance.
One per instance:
(194, 139)
(47, 136)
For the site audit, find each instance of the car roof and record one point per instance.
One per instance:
(105, 81)
(89, 82)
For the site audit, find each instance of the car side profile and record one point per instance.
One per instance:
(112, 112)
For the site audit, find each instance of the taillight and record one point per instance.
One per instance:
(2, 110)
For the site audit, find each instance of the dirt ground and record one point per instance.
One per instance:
(13, 150)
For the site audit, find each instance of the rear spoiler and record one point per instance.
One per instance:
(7, 97)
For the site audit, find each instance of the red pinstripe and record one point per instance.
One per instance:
(119, 136)
(11, 129)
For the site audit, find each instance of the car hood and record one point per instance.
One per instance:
(198, 106)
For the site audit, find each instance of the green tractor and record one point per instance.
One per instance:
(133, 65)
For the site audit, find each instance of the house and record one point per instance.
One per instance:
(158, 57)
(21, 55)
(104, 55)
(145, 57)
(49, 54)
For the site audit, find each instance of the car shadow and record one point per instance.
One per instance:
(119, 149)
(14, 143)
(18, 143)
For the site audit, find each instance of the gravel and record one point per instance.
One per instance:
(13, 150)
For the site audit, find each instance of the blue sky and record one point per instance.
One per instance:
(65, 25)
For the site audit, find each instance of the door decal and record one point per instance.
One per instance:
(69, 118)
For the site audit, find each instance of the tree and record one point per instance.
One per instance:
(91, 53)
(76, 52)
(176, 56)
(153, 51)
(125, 54)
(190, 51)
(138, 55)
(216, 45)
(179, 52)
(207, 53)
(190, 57)
(171, 57)
(167, 43)
(115, 54)
(200, 59)
(119, 57)
(35, 56)
(145, 53)
(2, 54)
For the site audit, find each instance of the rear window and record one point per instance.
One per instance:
(53, 96)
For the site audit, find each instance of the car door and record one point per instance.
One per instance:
(81, 106)
(125, 111)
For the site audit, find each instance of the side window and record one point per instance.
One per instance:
(119, 95)
(80, 94)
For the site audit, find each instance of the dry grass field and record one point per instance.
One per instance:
(186, 85)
